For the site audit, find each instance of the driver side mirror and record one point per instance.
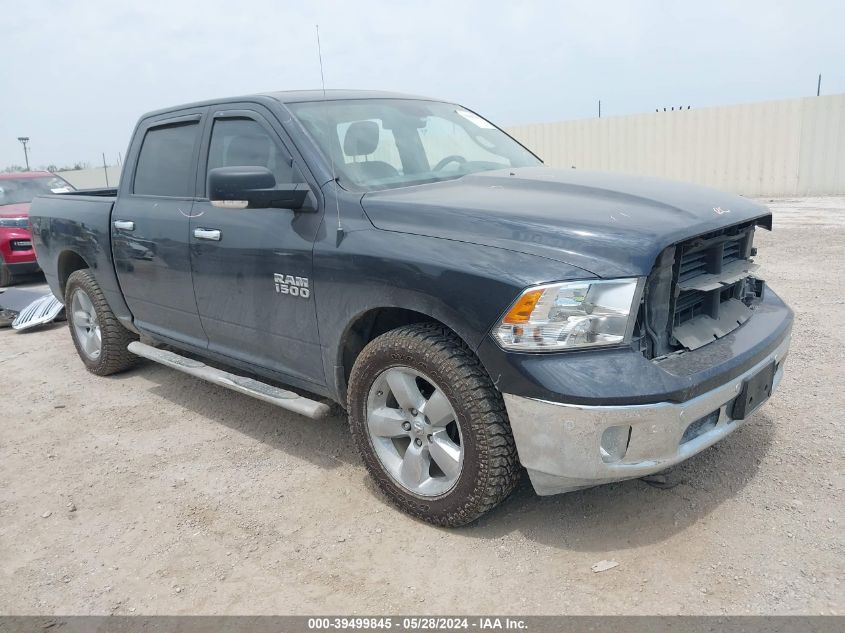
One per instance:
(253, 188)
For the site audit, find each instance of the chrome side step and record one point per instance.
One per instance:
(268, 393)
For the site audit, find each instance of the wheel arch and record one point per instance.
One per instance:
(369, 325)
(69, 262)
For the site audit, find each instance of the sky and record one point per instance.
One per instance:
(76, 76)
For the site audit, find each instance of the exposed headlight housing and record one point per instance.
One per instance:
(570, 315)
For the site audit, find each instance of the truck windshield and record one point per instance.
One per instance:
(386, 143)
(18, 190)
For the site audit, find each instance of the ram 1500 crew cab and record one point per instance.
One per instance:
(472, 310)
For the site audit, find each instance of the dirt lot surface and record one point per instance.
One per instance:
(153, 492)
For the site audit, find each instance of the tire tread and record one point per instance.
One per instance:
(114, 356)
(499, 468)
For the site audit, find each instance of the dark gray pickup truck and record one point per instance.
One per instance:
(474, 311)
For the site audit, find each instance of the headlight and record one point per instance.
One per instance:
(14, 223)
(570, 315)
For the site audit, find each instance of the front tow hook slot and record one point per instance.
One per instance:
(614, 443)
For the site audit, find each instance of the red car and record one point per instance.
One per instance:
(16, 192)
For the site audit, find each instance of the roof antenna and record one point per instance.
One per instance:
(331, 155)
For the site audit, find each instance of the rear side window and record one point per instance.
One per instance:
(165, 164)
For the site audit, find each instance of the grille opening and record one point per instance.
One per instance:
(692, 265)
(711, 255)
(693, 298)
(693, 303)
(688, 306)
(732, 251)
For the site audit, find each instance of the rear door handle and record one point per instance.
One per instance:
(124, 225)
(208, 234)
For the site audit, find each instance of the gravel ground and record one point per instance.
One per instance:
(152, 492)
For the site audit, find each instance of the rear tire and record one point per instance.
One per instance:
(458, 437)
(98, 335)
(6, 277)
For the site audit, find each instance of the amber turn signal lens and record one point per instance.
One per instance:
(522, 309)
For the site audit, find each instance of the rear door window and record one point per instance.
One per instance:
(166, 162)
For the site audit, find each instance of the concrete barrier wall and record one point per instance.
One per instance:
(772, 148)
(94, 178)
(794, 147)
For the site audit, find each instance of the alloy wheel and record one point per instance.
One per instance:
(86, 325)
(414, 431)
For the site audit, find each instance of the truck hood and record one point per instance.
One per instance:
(18, 210)
(607, 224)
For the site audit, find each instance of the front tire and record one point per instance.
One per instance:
(430, 426)
(98, 335)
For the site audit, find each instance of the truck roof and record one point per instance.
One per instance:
(296, 96)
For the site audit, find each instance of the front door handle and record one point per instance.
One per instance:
(124, 225)
(208, 234)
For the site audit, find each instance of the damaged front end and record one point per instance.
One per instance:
(700, 290)
(708, 349)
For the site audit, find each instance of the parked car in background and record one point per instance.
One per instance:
(16, 193)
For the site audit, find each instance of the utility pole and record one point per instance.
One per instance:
(105, 170)
(24, 140)
(819, 86)
(599, 108)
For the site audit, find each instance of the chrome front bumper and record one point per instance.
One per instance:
(561, 444)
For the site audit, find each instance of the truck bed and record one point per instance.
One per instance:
(73, 225)
(100, 193)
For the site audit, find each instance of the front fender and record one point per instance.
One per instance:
(464, 286)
